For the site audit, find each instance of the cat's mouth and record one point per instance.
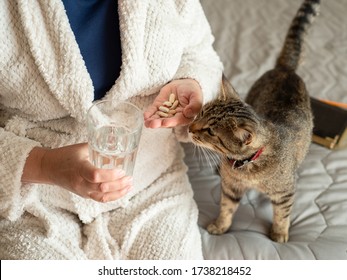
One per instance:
(239, 163)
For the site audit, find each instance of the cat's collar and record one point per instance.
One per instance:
(235, 164)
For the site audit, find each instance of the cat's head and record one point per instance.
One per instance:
(226, 124)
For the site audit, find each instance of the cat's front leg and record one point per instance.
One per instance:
(281, 217)
(230, 200)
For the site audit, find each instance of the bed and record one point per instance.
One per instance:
(248, 36)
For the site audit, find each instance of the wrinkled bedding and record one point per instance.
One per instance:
(248, 36)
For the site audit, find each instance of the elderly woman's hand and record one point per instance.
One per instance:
(189, 95)
(69, 168)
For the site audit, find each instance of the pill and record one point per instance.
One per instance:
(168, 108)
(174, 105)
(164, 109)
(172, 98)
(167, 104)
(162, 114)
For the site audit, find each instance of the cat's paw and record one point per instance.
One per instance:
(214, 229)
(280, 237)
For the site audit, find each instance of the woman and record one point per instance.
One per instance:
(56, 59)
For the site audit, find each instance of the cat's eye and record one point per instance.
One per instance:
(210, 131)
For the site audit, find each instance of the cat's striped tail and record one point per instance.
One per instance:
(292, 49)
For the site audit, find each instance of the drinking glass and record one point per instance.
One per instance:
(114, 130)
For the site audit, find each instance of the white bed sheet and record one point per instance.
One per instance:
(248, 36)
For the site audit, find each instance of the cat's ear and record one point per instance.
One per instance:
(244, 135)
(227, 91)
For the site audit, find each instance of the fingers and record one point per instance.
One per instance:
(104, 185)
(194, 106)
(153, 121)
(109, 191)
(92, 174)
(110, 196)
(150, 112)
(178, 120)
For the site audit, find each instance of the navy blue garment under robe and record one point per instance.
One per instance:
(95, 24)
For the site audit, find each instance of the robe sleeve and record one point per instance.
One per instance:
(199, 60)
(14, 195)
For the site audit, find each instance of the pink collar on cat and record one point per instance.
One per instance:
(241, 163)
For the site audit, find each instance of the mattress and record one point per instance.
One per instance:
(248, 37)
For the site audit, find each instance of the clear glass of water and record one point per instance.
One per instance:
(114, 130)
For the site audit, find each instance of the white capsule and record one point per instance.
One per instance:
(174, 105)
(167, 104)
(162, 114)
(172, 98)
(164, 109)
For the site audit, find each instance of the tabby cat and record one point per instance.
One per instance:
(263, 140)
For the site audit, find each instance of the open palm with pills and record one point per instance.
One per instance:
(185, 96)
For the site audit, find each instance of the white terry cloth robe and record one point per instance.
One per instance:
(45, 92)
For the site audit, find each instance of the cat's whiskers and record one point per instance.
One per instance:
(211, 158)
(206, 155)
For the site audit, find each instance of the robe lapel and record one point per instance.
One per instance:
(57, 54)
(134, 78)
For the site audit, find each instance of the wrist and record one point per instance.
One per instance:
(34, 170)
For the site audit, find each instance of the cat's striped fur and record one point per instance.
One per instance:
(262, 141)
